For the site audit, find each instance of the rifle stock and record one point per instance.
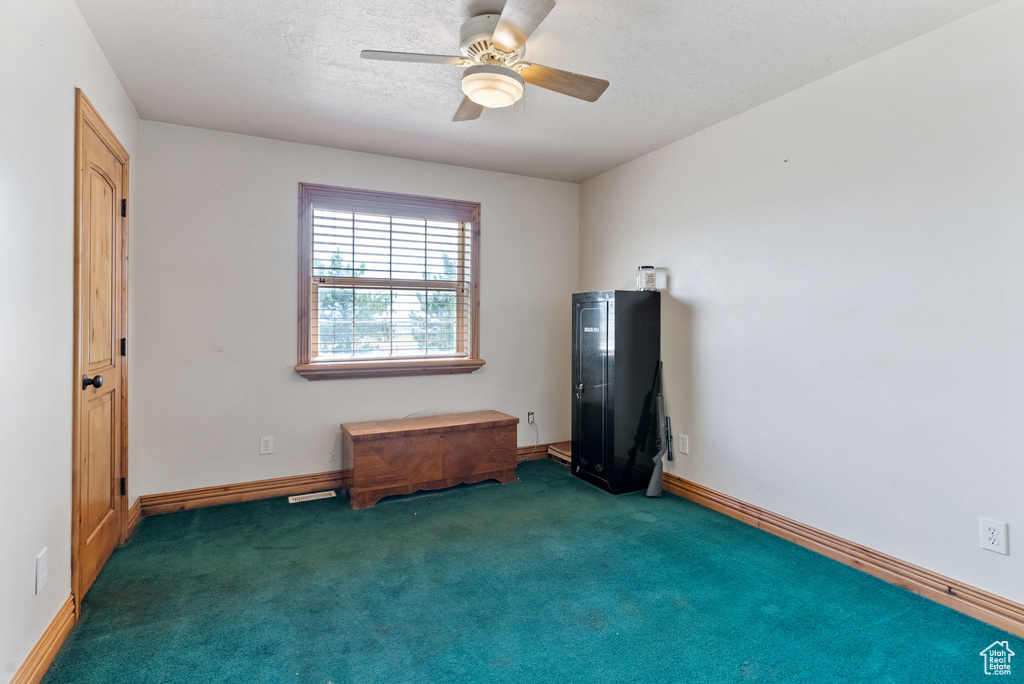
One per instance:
(664, 448)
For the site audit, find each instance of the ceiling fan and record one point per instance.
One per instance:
(493, 47)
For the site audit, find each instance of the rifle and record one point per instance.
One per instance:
(663, 445)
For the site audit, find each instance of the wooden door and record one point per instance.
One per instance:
(99, 514)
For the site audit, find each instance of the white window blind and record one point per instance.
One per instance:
(388, 287)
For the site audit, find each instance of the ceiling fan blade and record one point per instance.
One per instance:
(468, 110)
(518, 20)
(575, 85)
(413, 57)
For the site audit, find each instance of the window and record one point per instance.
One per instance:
(388, 284)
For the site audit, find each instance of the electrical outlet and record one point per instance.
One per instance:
(266, 445)
(41, 570)
(993, 536)
(529, 417)
(683, 445)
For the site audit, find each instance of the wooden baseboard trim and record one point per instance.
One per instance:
(134, 516)
(244, 491)
(523, 452)
(985, 606)
(45, 650)
(187, 499)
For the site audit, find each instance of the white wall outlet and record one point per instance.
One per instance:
(683, 445)
(266, 445)
(41, 570)
(993, 536)
(529, 417)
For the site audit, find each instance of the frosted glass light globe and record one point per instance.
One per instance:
(492, 86)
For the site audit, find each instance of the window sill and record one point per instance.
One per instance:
(384, 369)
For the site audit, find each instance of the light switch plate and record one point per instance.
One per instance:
(683, 445)
(41, 571)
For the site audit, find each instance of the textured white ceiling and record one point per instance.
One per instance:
(290, 70)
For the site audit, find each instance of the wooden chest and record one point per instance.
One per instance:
(409, 454)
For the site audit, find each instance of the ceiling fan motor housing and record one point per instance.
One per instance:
(475, 39)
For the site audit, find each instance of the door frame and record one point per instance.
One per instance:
(86, 114)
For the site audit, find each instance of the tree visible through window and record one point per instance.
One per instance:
(391, 283)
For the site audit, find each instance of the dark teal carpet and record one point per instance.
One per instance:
(545, 580)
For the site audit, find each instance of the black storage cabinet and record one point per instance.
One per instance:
(616, 346)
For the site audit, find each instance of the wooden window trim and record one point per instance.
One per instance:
(373, 202)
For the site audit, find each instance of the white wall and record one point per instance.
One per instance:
(46, 50)
(844, 326)
(218, 279)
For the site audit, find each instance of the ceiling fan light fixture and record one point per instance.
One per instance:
(492, 86)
